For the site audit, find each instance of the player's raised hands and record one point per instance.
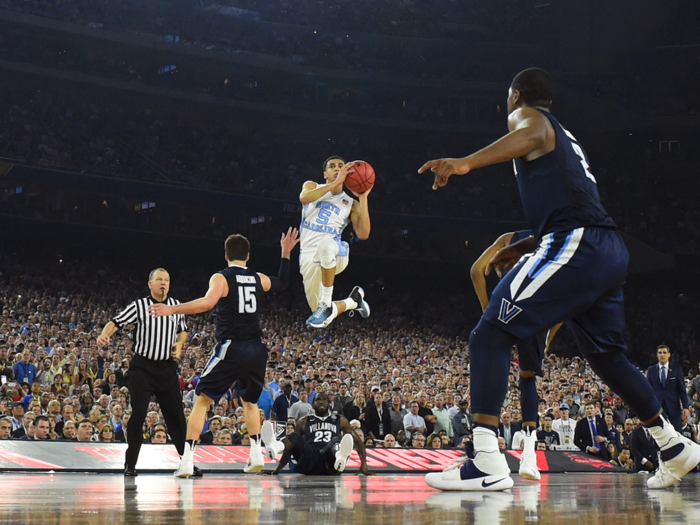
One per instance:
(363, 195)
(344, 171)
(289, 241)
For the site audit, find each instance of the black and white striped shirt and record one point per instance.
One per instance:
(153, 337)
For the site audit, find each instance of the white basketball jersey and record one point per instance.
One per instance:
(326, 216)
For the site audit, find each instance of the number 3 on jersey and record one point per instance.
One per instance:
(247, 303)
(323, 436)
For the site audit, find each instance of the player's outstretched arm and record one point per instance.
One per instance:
(311, 191)
(359, 215)
(218, 288)
(359, 445)
(482, 263)
(279, 283)
(528, 133)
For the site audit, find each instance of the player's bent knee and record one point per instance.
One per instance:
(527, 373)
(203, 399)
(326, 252)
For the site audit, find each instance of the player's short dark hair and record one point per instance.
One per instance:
(237, 247)
(332, 157)
(536, 87)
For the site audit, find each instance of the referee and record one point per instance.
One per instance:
(153, 370)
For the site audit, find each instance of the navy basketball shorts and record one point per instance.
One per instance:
(239, 362)
(574, 276)
(311, 461)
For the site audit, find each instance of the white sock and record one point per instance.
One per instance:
(350, 304)
(326, 294)
(662, 436)
(485, 440)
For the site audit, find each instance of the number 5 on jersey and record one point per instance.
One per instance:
(247, 303)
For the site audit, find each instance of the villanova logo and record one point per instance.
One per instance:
(508, 311)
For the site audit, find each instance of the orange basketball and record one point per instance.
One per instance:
(361, 178)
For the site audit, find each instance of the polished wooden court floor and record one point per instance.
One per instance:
(566, 499)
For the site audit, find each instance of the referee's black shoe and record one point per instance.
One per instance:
(130, 472)
(197, 473)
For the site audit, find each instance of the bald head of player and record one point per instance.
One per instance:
(159, 284)
(321, 404)
(533, 88)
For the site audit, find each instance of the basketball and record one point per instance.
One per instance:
(361, 178)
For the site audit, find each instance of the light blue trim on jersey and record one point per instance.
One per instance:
(215, 359)
(559, 255)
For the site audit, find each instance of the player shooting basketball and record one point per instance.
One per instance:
(326, 212)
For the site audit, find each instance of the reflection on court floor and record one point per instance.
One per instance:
(564, 499)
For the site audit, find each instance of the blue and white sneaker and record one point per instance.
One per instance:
(490, 475)
(358, 295)
(323, 316)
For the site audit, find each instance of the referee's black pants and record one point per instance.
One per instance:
(146, 379)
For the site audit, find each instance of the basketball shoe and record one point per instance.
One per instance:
(358, 295)
(678, 455)
(343, 453)
(186, 468)
(528, 459)
(272, 445)
(323, 316)
(486, 472)
(256, 460)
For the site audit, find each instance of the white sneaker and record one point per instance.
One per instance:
(256, 460)
(528, 459)
(343, 452)
(686, 456)
(269, 439)
(186, 468)
(486, 472)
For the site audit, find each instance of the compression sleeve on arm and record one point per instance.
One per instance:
(279, 283)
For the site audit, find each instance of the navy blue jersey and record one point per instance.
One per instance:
(320, 431)
(557, 190)
(237, 314)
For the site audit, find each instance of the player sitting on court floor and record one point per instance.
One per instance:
(316, 448)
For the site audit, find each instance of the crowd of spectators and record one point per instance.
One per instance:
(401, 382)
(150, 140)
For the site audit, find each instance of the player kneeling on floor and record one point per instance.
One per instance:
(316, 447)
